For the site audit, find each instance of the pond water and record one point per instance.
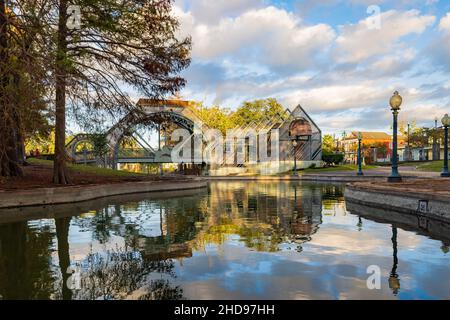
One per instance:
(233, 240)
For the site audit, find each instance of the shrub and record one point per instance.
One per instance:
(332, 158)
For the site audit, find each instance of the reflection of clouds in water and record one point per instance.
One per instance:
(330, 241)
(249, 277)
(261, 240)
(337, 247)
(332, 265)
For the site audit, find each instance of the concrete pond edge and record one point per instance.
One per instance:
(73, 194)
(419, 204)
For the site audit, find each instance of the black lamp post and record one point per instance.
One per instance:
(395, 102)
(408, 148)
(446, 123)
(394, 281)
(294, 144)
(360, 172)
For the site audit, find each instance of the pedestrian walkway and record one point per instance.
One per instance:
(409, 171)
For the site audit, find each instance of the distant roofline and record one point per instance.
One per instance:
(354, 134)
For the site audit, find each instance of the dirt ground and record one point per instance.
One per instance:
(435, 185)
(40, 176)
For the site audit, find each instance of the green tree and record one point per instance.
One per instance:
(328, 144)
(23, 107)
(257, 111)
(100, 144)
(215, 117)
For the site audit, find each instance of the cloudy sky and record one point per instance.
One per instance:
(334, 57)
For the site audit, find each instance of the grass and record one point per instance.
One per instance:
(104, 172)
(432, 166)
(344, 167)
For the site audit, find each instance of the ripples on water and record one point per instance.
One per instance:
(250, 240)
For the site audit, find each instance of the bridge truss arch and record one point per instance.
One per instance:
(149, 112)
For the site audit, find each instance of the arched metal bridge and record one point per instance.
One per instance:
(153, 112)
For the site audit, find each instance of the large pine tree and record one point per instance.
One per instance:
(119, 44)
(23, 73)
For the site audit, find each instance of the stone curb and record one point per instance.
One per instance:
(47, 196)
(416, 203)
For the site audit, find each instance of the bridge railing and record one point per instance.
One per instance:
(135, 153)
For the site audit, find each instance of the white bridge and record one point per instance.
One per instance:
(158, 114)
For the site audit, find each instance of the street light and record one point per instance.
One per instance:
(446, 123)
(408, 153)
(394, 281)
(294, 144)
(395, 102)
(360, 173)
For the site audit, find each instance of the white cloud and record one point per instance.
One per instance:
(444, 24)
(270, 36)
(337, 97)
(357, 42)
(210, 12)
(344, 76)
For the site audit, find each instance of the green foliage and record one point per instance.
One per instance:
(420, 137)
(100, 144)
(429, 166)
(328, 144)
(215, 117)
(332, 158)
(224, 119)
(256, 111)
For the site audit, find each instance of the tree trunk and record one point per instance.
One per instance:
(9, 164)
(62, 234)
(59, 167)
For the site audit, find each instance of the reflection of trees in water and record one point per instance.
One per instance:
(118, 274)
(265, 215)
(445, 247)
(25, 255)
(330, 191)
(62, 234)
(131, 271)
(177, 221)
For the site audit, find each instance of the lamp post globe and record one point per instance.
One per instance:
(446, 123)
(395, 103)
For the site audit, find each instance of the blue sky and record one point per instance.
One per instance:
(330, 56)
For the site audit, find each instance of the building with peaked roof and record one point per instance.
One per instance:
(370, 139)
(295, 125)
